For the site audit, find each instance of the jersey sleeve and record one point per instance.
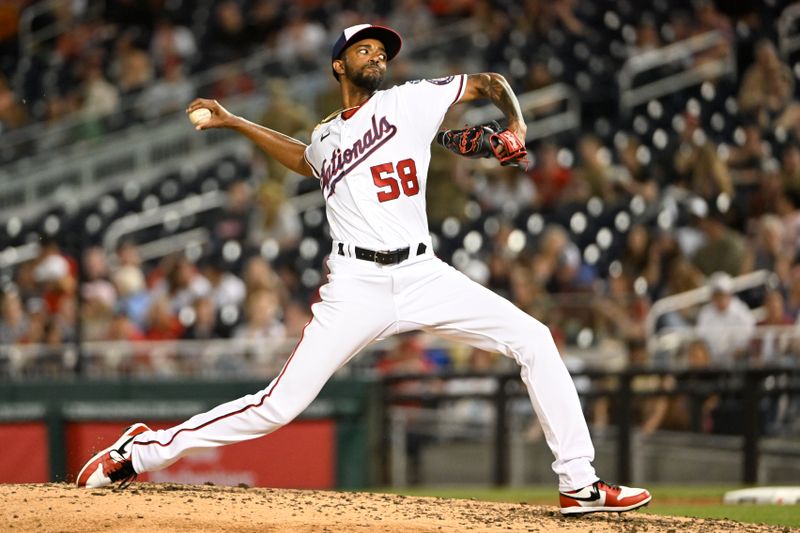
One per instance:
(427, 101)
(310, 155)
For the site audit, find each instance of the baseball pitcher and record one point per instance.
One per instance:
(371, 159)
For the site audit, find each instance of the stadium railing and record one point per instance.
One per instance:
(662, 340)
(560, 102)
(677, 78)
(788, 34)
(747, 389)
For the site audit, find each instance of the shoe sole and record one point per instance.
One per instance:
(576, 511)
(128, 433)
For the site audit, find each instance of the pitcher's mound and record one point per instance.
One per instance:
(170, 507)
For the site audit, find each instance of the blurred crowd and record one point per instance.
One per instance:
(106, 64)
(687, 192)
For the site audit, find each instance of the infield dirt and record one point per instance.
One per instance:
(169, 507)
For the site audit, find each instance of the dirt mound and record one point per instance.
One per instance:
(169, 507)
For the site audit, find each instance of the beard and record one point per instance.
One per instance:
(367, 78)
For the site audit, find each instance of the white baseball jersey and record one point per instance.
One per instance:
(373, 163)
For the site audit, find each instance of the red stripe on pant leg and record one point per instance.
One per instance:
(243, 409)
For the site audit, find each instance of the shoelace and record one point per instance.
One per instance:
(126, 481)
(122, 471)
(608, 485)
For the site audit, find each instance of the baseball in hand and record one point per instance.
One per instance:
(199, 116)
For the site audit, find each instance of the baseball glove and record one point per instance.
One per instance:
(486, 140)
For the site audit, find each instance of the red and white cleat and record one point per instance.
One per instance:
(112, 464)
(602, 496)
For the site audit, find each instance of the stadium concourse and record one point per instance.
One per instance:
(639, 201)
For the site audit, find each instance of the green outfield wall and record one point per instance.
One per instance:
(51, 428)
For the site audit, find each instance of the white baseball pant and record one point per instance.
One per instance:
(363, 302)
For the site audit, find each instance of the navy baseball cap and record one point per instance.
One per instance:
(388, 37)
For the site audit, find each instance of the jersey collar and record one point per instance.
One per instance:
(349, 112)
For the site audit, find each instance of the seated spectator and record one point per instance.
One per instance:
(262, 317)
(172, 40)
(636, 256)
(762, 198)
(565, 12)
(790, 169)
(747, 162)
(286, 114)
(706, 18)
(604, 409)
(259, 275)
(621, 309)
(538, 77)
(227, 37)
(170, 93)
(100, 97)
(98, 295)
(133, 298)
(264, 20)
(205, 325)
(162, 323)
(676, 412)
(12, 112)
(726, 324)
(55, 280)
(767, 250)
(707, 175)
(230, 222)
(122, 328)
(411, 17)
(503, 189)
(767, 88)
(550, 177)
(793, 292)
(471, 415)
(557, 263)
(647, 37)
(593, 175)
(633, 175)
(300, 40)
(772, 344)
(786, 207)
(274, 218)
(183, 284)
(226, 287)
(723, 249)
(232, 82)
(125, 355)
(407, 357)
(132, 67)
(14, 323)
(128, 254)
(296, 315)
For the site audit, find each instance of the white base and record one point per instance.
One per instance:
(764, 495)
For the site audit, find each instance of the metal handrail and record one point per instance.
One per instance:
(14, 255)
(788, 43)
(564, 120)
(174, 243)
(154, 217)
(691, 298)
(29, 38)
(630, 96)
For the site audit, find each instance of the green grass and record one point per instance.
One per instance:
(776, 515)
(695, 501)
